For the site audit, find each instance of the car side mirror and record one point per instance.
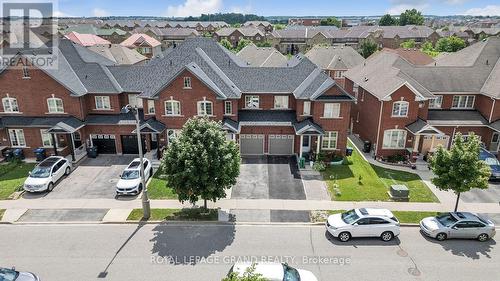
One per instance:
(14, 268)
(355, 223)
(29, 173)
(454, 227)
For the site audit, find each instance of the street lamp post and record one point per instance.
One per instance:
(146, 207)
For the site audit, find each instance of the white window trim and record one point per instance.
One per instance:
(400, 103)
(332, 115)
(200, 109)
(103, 99)
(432, 101)
(466, 97)
(175, 134)
(285, 99)
(18, 133)
(308, 112)
(226, 103)
(330, 138)
(56, 107)
(247, 98)
(388, 145)
(51, 144)
(173, 102)
(151, 105)
(10, 101)
(188, 81)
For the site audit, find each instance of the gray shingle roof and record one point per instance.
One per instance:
(42, 122)
(455, 117)
(334, 57)
(308, 126)
(262, 56)
(416, 126)
(267, 116)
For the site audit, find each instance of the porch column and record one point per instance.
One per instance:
(72, 147)
(301, 144)
(415, 145)
(432, 142)
(158, 156)
(318, 144)
(54, 144)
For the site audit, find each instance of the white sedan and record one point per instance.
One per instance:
(273, 271)
(130, 180)
(364, 222)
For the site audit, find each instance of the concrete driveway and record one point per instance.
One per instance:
(269, 177)
(490, 195)
(93, 178)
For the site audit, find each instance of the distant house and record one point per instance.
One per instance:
(262, 25)
(262, 56)
(234, 35)
(113, 35)
(168, 36)
(335, 60)
(86, 39)
(414, 56)
(299, 39)
(144, 44)
(118, 54)
(304, 21)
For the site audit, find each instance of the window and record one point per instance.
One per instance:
(205, 108)
(331, 110)
(172, 108)
(329, 140)
(187, 82)
(151, 107)
(17, 138)
(394, 139)
(26, 74)
(400, 109)
(134, 100)
(228, 108)
(280, 102)
(436, 103)
(307, 108)
(102, 102)
(463, 102)
(10, 104)
(339, 74)
(251, 101)
(355, 88)
(46, 138)
(171, 135)
(55, 105)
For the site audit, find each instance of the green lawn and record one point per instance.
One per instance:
(374, 184)
(12, 176)
(176, 215)
(157, 188)
(403, 216)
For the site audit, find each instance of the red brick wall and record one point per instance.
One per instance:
(496, 111)
(114, 100)
(110, 130)
(34, 140)
(266, 101)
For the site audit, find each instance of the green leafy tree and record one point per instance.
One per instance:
(387, 20)
(412, 16)
(226, 44)
(428, 48)
(332, 21)
(410, 44)
(263, 44)
(201, 162)
(279, 26)
(459, 169)
(450, 44)
(242, 44)
(248, 275)
(367, 47)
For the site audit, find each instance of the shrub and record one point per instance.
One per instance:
(319, 166)
(396, 158)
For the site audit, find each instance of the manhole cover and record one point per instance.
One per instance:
(113, 180)
(402, 253)
(414, 271)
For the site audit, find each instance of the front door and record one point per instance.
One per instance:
(306, 144)
(494, 142)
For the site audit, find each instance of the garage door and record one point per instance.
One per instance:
(252, 144)
(281, 144)
(129, 144)
(105, 143)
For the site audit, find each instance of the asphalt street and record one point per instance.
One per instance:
(206, 252)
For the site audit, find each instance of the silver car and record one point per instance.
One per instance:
(11, 274)
(458, 225)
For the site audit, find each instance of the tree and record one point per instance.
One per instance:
(410, 44)
(263, 44)
(450, 44)
(411, 17)
(367, 47)
(459, 169)
(201, 162)
(225, 43)
(428, 48)
(242, 44)
(332, 21)
(248, 275)
(387, 20)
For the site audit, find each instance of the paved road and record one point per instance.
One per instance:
(132, 252)
(490, 195)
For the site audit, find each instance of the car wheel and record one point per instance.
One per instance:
(344, 236)
(140, 188)
(441, 236)
(483, 237)
(68, 171)
(50, 187)
(387, 236)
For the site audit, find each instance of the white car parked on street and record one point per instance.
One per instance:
(364, 222)
(274, 271)
(130, 180)
(46, 174)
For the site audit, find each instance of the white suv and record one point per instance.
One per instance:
(364, 222)
(273, 271)
(46, 174)
(130, 180)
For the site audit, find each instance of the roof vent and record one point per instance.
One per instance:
(86, 76)
(366, 79)
(170, 62)
(487, 62)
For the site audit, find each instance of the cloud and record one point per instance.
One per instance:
(194, 8)
(60, 14)
(490, 10)
(455, 2)
(97, 12)
(398, 9)
(241, 9)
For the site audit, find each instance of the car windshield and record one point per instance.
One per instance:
(350, 216)
(130, 174)
(40, 172)
(491, 161)
(290, 273)
(8, 274)
(446, 219)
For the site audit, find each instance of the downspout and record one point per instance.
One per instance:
(379, 124)
(491, 112)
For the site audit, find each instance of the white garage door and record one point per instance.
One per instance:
(252, 144)
(281, 144)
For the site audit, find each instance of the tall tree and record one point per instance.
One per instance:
(242, 44)
(331, 21)
(201, 162)
(367, 47)
(408, 44)
(411, 17)
(387, 20)
(450, 44)
(459, 169)
(225, 43)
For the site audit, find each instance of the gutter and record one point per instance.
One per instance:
(379, 124)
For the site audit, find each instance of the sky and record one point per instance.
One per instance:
(182, 8)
